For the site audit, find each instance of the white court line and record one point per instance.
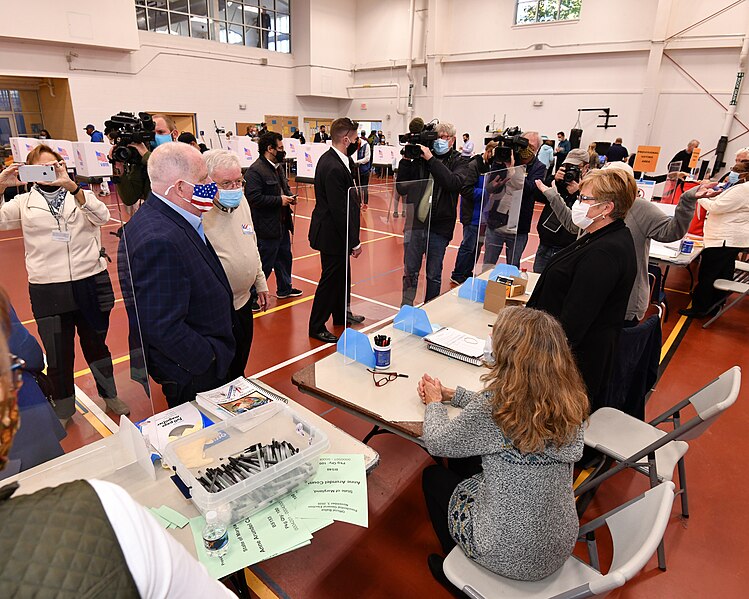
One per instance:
(91, 406)
(357, 296)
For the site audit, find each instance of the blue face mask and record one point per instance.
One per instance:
(441, 146)
(229, 198)
(733, 178)
(162, 139)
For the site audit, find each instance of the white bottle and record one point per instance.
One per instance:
(524, 273)
(215, 536)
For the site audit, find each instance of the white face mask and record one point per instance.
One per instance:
(580, 214)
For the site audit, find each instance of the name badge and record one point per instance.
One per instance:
(61, 236)
(247, 230)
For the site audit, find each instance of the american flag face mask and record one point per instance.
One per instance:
(202, 195)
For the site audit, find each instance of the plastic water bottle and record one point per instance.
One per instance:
(215, 536)
(524, 273)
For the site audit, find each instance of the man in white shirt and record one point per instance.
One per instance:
(466, 149)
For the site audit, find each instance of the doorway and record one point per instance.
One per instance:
(312, 126)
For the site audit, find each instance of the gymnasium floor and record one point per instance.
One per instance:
(707, 554)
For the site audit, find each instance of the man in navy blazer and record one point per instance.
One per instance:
(178, 299)
(334, 230)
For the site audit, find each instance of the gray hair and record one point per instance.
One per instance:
(533, 138)
(220, 159)
(446, 129)
(743, 151)
(170, 162)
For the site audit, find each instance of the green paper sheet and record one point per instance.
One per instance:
(316, 524)
(159, 518)
(172, 516)
(266, 534)
(337, 491)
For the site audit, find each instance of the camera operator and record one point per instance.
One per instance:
(552, 235)
(133, 183)
(515, 240)
(446, 171)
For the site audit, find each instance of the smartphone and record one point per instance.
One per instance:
(37, 173)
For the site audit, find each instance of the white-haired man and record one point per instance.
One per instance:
(430, 226)
(229, 228)
(177, 295)
(685, 156)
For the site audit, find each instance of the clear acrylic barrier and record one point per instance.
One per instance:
(71, 325)
(396, 251)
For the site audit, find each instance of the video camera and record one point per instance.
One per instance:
(510, 141)
(426, 137)
(125, 128)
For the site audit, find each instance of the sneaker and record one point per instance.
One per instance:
(395, 215)
(255, 306)
(290, 293)
(117, 405)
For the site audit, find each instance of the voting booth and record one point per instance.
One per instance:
(63, 147)
(244, 148)
(383, 155)
(92, 158)
(306, 163)
(291, 146)
(21, 146)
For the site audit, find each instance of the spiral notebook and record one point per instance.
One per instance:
(456, 344)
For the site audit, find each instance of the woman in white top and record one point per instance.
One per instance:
(69, 285)
(726, 234)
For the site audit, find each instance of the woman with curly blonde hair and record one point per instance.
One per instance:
(517, 517)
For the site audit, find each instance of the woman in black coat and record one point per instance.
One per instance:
(587, 285)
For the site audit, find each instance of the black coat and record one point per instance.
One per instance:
(320, 138)
(336, 212)
(263, 190)
(586, 287)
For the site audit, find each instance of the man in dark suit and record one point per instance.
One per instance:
(334, 230)
(177, 296)
(322, 136)
(270, 199)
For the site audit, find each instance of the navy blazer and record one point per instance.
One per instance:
(177, 291)
(336, 212)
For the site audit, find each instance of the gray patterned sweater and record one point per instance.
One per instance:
(523, 523)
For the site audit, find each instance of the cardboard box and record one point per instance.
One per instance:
(246, 149)
(92, 159)
(497, 293)
(21, 146)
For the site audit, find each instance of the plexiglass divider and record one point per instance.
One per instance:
(501, 200)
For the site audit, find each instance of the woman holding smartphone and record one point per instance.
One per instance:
(69, 285)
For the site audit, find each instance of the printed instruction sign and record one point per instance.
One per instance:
(647, 158)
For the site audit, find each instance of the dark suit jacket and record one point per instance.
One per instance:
(586, 287)
(321, 138)
(263, 190)
(181, 294)
(336, 210)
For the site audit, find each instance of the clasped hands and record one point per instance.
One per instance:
(431, 390)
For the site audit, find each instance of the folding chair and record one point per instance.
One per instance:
(652, 451)
(657, 288)
(739, 284)
(636, 527)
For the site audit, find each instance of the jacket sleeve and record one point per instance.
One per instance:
(592, 281)
(95, 210)
(447, 179)
(407, 172)
(561, 210)
(472, 432)
(131, 186)
(475, 169)
(342, 206)
(364, 159)
(529, 185)
(664, 228)
(253, 190)
(10, 214)
(728, 201)
(161, 285)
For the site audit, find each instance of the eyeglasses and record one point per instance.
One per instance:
(584, 198)
(384, 377)
(16, 371)
(236, 184)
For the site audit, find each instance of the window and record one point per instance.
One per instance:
(254, 23)
(544, 11)
(23, 108)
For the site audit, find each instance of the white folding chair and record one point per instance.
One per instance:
(636, 528)
(652, 451)
(739, 284)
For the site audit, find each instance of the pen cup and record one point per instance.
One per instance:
(382, 357)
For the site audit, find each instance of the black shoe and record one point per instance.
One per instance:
(395, 214)
(692, 313)
(325, 336)
(290, 293)
(255, 306)
(435, 563)
(352, 318)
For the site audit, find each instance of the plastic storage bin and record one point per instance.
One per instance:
(190, 456)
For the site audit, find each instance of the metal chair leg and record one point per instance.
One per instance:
(683, 488)
(653, 472)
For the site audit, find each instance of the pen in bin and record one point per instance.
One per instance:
(382, 340)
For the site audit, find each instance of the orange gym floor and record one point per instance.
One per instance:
(708, 554)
